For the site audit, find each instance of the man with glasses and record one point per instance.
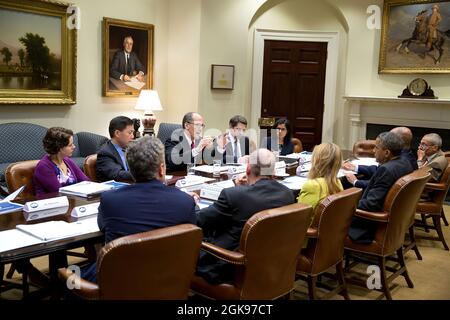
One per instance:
(187, 144)
(233, 145)
(430, 154)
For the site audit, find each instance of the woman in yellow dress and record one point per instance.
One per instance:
(322, 178)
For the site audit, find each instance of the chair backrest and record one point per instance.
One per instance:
(165, 130)
(154, 265)
(400, 203)
(298, 146)
(90, 167)
(438, 196)
(364, 148)
(30, 137)
(89, 143)
(271, 241)
(332, 219)
(19, 174)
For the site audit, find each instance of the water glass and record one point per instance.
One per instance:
(190, 170)
(216, 167)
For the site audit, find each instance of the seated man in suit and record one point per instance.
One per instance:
(187, 145)
(111, 162)
(126, 64)
(146, 205)
(233, 144)
(430, 154)
(368, 171)
(388, 148)
(223, 221)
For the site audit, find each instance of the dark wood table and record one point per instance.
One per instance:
(10, 220)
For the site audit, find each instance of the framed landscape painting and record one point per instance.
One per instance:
(37, 53)
(415, 37)
(127, 57)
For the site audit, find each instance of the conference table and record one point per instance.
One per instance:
(9, 221)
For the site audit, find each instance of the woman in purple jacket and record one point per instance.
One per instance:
(56, 169)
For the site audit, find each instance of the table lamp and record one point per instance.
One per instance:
(148, 101)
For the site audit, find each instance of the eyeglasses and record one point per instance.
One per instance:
(424, 145)
(197, 125)
(281, 129)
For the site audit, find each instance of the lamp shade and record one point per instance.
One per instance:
(149, 101)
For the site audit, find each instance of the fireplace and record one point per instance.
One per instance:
(373, 129)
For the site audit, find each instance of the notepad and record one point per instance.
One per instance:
(89, 189)
(8, 206)
(51, 230)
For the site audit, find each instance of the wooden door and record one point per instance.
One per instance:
(294, 85)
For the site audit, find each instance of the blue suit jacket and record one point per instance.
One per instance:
(143, 207)
(369, 171)
(363, 230)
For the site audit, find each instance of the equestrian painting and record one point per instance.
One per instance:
(416, 38)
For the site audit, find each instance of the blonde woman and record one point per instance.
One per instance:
(322, 178)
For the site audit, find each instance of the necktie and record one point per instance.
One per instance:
(128, 65)
(235, 160)
(124, 159)
(192, 148)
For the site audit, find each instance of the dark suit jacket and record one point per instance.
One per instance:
(285, 150)
(369, 171)
(363, 230)
(143, 207)
(227, 156)
(118, 65)
(223, 221)
(109, 164)
(178, 152)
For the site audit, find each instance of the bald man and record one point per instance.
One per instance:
(223, 221)
(368, 171)
(187, 144)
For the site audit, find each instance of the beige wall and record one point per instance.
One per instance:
(190, 35)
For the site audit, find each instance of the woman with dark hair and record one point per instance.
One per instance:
(283, 143)
(56, 169)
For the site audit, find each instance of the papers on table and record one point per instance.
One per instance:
(6, 206)
(89, 189)
(365, 162)
(343, 172)
(294, 182)
(209, 169)
(51, 230)
(203, 203)
(213, 190)
(32, 234)
(135, 83)
(14, 239)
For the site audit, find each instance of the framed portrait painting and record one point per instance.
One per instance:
(127, 57)
(37, 53)
(415, 37)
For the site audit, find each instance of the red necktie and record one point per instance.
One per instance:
(192, 145)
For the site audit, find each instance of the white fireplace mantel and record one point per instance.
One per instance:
(427, 113)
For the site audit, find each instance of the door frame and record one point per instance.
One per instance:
(332, 38)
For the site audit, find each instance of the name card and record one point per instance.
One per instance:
(36, 215)
(234, 170)
(33, 206)
(86, 210)
(280, 168)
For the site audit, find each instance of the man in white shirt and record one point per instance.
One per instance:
(186, 145)
(233, 145)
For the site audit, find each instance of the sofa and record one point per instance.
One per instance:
(23, 141)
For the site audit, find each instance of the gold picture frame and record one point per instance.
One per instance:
(37, 52)
(125, 74)
(415, 37)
